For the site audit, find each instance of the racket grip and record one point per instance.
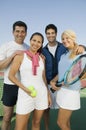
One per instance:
(57, 85)
(52, 90)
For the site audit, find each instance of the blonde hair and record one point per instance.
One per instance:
(71, 34)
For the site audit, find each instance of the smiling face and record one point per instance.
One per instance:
(67, 42)
(68, 39)
(51, 36)
(19, 34)
(36, 43)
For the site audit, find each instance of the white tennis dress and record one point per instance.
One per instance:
(68, 97)
(26, 103)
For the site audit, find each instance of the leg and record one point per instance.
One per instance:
(37, 115)
(64, 119)
(21, 122)
(7, 116)
(46, 117)
(9, 98)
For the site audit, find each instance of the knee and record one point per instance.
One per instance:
(36, 123)
(7, 117)
(62, 125)
(59, 123)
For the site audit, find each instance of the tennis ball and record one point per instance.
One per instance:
(31, 88)
(34, 93)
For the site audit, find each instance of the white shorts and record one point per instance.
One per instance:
(26, 104)
(53, 96)
(68, 99)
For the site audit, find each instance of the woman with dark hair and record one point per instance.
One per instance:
(32, 73)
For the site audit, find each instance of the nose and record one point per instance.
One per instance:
(20, 33)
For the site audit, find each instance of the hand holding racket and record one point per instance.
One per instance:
(77, 71)
(56, 85)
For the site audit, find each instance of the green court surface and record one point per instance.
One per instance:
(78, 119)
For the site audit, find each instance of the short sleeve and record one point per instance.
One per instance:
(3, 52)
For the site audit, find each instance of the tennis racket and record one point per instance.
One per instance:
(76, 71)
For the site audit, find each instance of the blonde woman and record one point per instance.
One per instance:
(68, 98)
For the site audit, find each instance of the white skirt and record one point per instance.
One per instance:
(68, 99)
(26, 104)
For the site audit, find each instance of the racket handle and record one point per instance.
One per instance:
(52, 90)
(57, 85)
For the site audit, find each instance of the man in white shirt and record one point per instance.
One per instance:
(7, 53)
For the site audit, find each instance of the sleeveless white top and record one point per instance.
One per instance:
(26, 74)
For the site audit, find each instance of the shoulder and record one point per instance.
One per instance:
(5, 47)
(61, 50)
(61, 46)
(19, 57)
(8, 45)
(26, 46)
(42, 57)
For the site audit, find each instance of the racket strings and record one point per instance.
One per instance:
(74, 72)
(77, 70)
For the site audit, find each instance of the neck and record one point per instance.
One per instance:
(52, 43)
(20, 43)
(33, 52)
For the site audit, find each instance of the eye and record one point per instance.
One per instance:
(34, 40)
(48, 33)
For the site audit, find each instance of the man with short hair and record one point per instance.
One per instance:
(53, 52)
(7, 53)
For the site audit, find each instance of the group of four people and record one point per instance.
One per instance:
(41, 68)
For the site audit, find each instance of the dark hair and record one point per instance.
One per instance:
(51, 26)
(39, 34)
(20, 23)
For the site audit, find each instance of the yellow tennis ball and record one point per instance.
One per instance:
(34, 93)
(31, 88)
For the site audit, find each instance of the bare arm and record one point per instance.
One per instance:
(6, 62)
(83, 46)
(80, 49)
(53, 83)
(14, 69)
(44, 75)
(45, 81)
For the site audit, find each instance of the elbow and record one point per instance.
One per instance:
(1, 67)
(10, 77)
